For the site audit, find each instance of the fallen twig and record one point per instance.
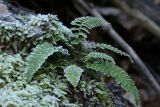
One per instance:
(144, 21)
(109, 11)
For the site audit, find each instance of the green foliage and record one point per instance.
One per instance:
(93, 87)
(46, 91)
(119, 74)
(73, 74)
(7, 29)
(10, 68)
(111, 48)
(46, 35)
(100, 56)
(37, 57)
(82, 25)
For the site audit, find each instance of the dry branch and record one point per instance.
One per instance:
(143, 19)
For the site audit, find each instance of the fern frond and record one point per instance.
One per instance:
(100, 56)
(37, 57)
(119, 74)
(82, 25)
(111, 48)
(73, 74)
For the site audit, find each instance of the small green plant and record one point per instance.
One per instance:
(61, 55)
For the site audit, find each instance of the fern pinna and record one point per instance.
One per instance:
(88, 60)
(73, 74)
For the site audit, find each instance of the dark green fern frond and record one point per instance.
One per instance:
(37, 57)
(100, 56)
(82, 25)
(111, 48)
(119, 74)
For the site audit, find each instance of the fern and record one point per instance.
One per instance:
(82, 25)
(37, 57)
(73, 74)
(100, 56)
(119, 74)
(111, 48)
(51, 89)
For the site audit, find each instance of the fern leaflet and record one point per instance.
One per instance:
(119, 74)
(111, 48)
(37, 57)
(73, 74)
(100, 56)
(82, 25)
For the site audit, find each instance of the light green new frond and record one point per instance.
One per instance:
(37, 57)
(73, 74)
(82, 25)
(119, 74)
(100, 56)
(111, 48)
